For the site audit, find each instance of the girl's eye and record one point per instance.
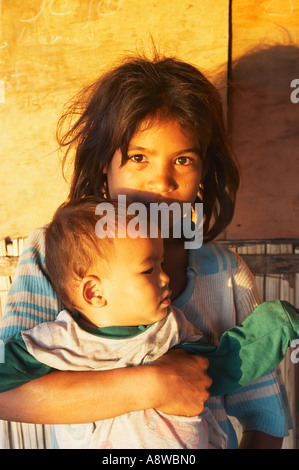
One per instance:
(138, 158)
(183, 161)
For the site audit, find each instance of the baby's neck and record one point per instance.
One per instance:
(175, 265)
(86, 322)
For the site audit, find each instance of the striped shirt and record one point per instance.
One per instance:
(220, 293)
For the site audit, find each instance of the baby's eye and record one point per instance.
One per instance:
(184, 161)
(138, 158)
(148, 271)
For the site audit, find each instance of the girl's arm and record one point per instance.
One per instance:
(176, 383)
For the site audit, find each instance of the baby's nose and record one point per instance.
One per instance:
(163, 279)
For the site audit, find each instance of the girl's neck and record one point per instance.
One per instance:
(175, 265)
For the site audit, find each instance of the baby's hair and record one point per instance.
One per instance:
(72, 247)
(109, 112)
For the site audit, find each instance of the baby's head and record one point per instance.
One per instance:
(112, 281)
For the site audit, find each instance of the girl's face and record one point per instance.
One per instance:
(164, 164)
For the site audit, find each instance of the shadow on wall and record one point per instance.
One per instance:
(264, 125)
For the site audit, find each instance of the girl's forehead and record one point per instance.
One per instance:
(157, 121)
(154, 127)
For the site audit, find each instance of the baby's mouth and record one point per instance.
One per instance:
(166, 300)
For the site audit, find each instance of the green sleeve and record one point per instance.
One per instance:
(17, 366)
(248, 351)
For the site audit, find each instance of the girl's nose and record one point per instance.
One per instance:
(161, 183)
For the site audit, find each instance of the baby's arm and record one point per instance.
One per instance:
(248, 351)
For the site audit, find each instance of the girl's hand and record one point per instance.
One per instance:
(182, 382)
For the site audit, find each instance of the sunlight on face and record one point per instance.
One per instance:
(137, 289)
(164, 164)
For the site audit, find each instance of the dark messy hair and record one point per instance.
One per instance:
(108, 113)
(72, 247)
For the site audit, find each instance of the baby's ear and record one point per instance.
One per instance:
(92, 292)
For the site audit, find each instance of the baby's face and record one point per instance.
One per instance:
(136, 288)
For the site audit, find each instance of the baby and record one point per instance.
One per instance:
(118, 313)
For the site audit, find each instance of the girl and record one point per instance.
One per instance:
(154, 131)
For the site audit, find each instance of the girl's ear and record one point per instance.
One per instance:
(91, 291)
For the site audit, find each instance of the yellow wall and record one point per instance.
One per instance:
(265, 121)
(48, 50)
